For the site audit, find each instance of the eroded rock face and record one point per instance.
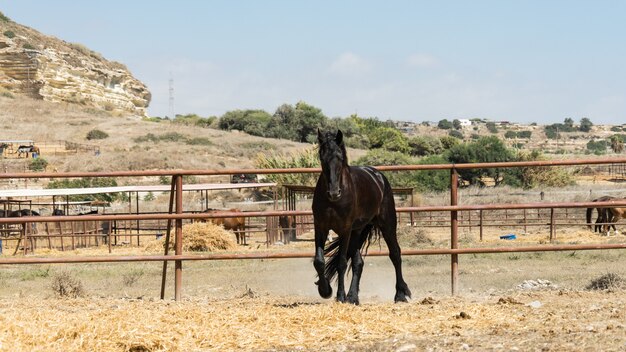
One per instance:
(48, 68)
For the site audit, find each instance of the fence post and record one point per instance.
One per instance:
(179, 239)
(167, 237)
(552, 232)
(480, 214)
(454, 229)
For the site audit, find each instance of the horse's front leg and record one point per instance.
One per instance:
(323, 285)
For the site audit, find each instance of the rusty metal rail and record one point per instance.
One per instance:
(295, 255)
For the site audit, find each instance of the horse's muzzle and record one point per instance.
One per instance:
(334, 195)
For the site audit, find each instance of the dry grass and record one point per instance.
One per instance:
(47, 123)
(291, 323)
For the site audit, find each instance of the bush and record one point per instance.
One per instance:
(199, 141)
(491, 127)
(88, 182)
(307, 158)
(38, 164)
(4, 18)
(9, 34)
(597, 147)
(607, 282)
(456, 134)
(66, 286)
(96, 134)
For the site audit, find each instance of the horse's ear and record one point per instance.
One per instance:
(339, 137)
(319, 136)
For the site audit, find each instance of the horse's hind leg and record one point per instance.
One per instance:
(389, 234)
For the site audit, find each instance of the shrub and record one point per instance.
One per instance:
(66, 286)
(130, 279)
(491, 127)
(307, 158)
(199, 141)
(597, 147)
(9, 34)
(38, 164)
(28, 46)
(607, 282)
(4, 18)
(96, 134)
(456, 134)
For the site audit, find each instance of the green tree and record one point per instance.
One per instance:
(485, 150)
(585, 125)
(253, 122)
(283, 123)
(456, 123)
(309, 119)
(445, 124)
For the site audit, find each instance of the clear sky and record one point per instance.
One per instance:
(524, 61)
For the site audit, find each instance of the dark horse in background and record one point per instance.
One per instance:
(236, 224)
(605, 216)
(356, 203)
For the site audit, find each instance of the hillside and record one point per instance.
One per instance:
(48, 68)
(129, 145)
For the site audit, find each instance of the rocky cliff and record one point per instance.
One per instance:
(51, 69)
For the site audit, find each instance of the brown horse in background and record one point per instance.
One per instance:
(614, 215)
(235, 224)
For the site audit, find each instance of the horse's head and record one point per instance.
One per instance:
(333, 158)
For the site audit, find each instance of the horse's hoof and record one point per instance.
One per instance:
(400, 298)
(353, 300)
(324, 289)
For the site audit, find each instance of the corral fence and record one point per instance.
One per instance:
(175, 217)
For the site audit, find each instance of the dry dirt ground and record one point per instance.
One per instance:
(513, 301)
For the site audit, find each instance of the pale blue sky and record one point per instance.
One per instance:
(525, 61)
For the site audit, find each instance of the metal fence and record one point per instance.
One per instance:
(175, 217)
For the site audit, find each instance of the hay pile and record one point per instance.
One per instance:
(198, 237)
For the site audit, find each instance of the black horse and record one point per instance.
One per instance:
(22, 212)
(356, 203)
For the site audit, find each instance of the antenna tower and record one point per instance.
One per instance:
(171, 90)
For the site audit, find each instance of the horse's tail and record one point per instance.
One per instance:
(332, 264)
(371, 233)
(589, 211)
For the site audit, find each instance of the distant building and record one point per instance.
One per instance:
(465, 122)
